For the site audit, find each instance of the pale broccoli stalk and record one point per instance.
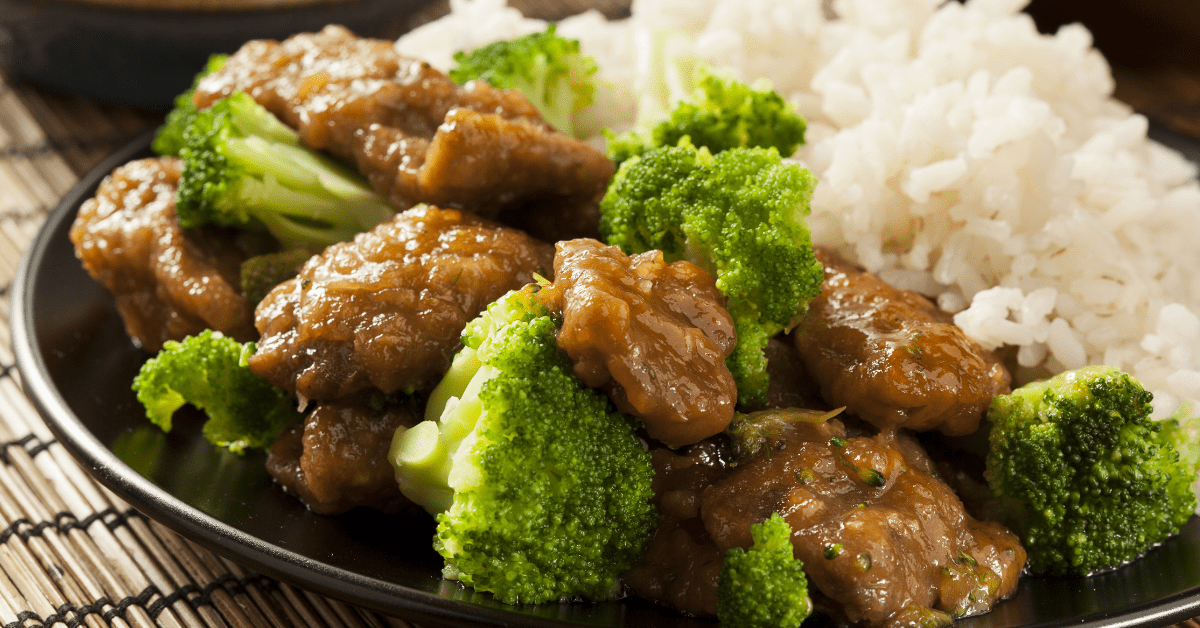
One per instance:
(1087, 479)
(209, 371)
(168, 140)
(765, 586)
(541, 491)
(1182, 430)
(724, 113)
(243, 167)
(549, 70)
(740, 214)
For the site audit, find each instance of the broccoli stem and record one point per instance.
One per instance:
(298, 183)
(243, 167)
(466, 363)
(422, 452)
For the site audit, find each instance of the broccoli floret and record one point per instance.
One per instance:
(728, 114)
(548, 69)
(541, 491)
(243, 167)
(169, 138)
(620, 147)
(1089, 480)
(209, 371)
(764, 587)
(1182, 430)
(724, 113)
(741, 215)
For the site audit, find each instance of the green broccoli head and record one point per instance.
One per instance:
(741, 215)
(549, 70)
(729, 114)
(541, 491)
(209, 371)
(621, 147)
(764, 587)
(243, 167)
(1092, 481)
(168, 140)
(724, 113)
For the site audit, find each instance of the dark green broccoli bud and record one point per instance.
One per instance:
(724, 114)
(764, 587)
(750, 433)
(263, 272)
(549, 70)
(1091, 482)
(623, 146)
(209, 371)
(169, 138)
(729, 114)
(741, 215)
(541, 491)
(242, 167)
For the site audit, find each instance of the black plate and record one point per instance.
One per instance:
(77, 363)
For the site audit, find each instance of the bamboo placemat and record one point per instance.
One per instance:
(72, 553)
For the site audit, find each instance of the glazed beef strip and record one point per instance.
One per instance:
(337, 459)
(893, 358)
(168, 282)
(653, 335)
(385, 311)
(415, 134)
(877, 531)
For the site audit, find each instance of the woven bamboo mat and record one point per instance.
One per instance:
(72, 553)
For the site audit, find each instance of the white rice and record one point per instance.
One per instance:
(959, 153)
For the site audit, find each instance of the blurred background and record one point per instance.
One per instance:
(98, 72)
(81, 78)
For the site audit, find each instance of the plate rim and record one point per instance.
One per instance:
(430, 609)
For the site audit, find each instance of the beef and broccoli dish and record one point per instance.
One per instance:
(631, 372)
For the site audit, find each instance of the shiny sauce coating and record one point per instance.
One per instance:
(337, 459)
(877, 531)
(416, 135)
(385, 311)
(893, 358)
(653, 335)
(168, 282)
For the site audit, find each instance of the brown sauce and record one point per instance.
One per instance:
(653, 335)
(878, 532)
(892, 358)
(681, 563)
(386, 310)
(338, 458)
(168, 282)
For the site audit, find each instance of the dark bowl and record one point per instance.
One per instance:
(134, 55)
